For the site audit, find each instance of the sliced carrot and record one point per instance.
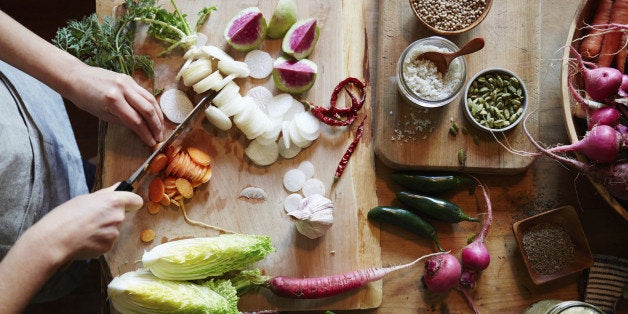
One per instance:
(156, 190)
(199, 156)
(185, 188)
(592, 43)
(175, 202)
(172, 151)
(165, 200)
(153, 208)
(196, 184)
(158, 163)
(147, 235)
(207, 175)
(169, 183)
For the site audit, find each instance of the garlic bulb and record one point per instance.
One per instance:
(314, 216)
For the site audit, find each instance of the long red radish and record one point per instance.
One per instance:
(592, 43)
(613, 176)
(600, 144)
(327, 286)
(600, 82)
(475, 255)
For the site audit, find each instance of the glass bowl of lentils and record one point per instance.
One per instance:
(447, 17)
(418, 80)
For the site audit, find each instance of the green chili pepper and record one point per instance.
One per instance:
(405, 219)
(433, 183)
(433, 207)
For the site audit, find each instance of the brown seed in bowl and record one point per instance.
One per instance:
(449, 15)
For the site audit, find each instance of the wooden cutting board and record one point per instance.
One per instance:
(351, 243)
(408, 137)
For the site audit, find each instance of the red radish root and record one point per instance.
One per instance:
(475, 255)
(600, 144)
(327, 286)
(442, 273)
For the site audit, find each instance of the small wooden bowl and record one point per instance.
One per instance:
(471, 26)
(566, 217)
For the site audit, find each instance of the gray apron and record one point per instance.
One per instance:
(40, 164)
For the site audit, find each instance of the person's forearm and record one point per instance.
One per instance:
(24, 271)
(32, 54)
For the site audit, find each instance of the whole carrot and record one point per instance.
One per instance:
(327, 286)
(592, 43)
(611, 42)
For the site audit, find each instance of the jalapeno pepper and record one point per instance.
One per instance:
(405, 219)
(433, 183)
(436, 208)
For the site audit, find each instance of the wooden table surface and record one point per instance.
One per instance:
(505, 286)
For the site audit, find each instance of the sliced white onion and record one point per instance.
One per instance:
(292, 202)
(218, 118)
(260, 63)
(313, 186)
(287, 152)
(293, 180)
(175, 105)
(262, 155)
(215, 52)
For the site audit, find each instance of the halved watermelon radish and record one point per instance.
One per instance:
(246, 30)
(294, 76)
(301, 38)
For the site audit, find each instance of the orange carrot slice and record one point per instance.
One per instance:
(153, 208)
(156, 190)
(158, 163)
(185, 188)
(147, 235)
(199, 156)
(207, 175)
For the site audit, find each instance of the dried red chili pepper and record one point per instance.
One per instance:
(342, 165)
(341, 116)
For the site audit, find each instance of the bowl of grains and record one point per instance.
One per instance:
(495, 100)
(447, 17)
(553, 244)
(418, 80)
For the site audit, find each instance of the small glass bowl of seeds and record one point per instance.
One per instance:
(495, 100)
(446, 17)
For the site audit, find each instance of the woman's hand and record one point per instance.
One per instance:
(117, 98)
(87, 225)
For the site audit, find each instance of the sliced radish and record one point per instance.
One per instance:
(175, 105)
(226, 94)
(237, 68)
(272, 131)
(192, 53)
(185, 65)
(295, 107)
(251, 120)
(260, 63)
(215, 52)
(262, 96)
(217, 118)
(196, 71)
(285, 134)
(235, 106)
(296, 137)
(210, 82)
(279, 105)
(252, 192)
(307, 167)
(313, 186)
(308, 125)
(293, 180)
(292, 202)
(287, 152)
(201, 39)
(262, 155)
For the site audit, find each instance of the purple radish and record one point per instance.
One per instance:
(600, 83)
(246, 30)
(623, 88)
(442, 273)
(475, 255)
(608, 115)
(301, 38)
(600, 144)
(613, 176)
(294, 77)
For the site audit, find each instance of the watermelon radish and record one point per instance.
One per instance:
(246, 30)
(301, 38)
(294, 76)
(285, 15)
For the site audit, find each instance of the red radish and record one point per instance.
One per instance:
(600, 83)
(608, 115)
(600, 144)
(442, 273)
(623, 88)
(613, 176)
(327, 286)
(475, 255)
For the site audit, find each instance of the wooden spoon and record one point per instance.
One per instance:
(442, 59)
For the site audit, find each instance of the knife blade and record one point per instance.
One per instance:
(179, 132)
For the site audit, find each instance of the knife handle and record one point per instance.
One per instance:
(124, 186)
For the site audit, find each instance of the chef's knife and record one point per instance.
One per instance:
(182, 129)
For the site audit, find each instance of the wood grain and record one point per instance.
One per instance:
(350, 244)
(511, 32)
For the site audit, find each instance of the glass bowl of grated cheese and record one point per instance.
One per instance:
(418, 80)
